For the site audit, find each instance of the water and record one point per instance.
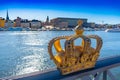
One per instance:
(25, 52)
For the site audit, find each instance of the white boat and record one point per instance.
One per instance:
(113, 30)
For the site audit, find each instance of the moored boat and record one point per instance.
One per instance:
(113, 30)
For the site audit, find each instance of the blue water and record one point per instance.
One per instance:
(25, 52)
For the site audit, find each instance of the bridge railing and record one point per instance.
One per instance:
(101, 69)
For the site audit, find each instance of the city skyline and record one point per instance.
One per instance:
(102, 11)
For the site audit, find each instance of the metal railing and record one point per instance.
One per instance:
(102, 66)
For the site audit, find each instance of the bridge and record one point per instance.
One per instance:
(101, 70)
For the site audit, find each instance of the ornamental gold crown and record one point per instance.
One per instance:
(75, 58)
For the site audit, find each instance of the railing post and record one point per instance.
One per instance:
(105, 75)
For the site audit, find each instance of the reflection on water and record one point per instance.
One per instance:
(25, 52)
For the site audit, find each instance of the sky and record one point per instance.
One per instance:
(98, 11)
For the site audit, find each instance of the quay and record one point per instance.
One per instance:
(101, 69)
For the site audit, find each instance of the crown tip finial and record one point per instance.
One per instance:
(79, 29)
(80, 22)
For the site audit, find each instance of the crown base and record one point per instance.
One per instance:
(77, 67)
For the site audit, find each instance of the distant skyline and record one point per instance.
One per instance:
(98, 11)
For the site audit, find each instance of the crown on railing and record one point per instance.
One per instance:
(75, 58)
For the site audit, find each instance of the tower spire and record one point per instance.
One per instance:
(7, 17)
(47, 20)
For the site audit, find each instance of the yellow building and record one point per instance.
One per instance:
(2, 22)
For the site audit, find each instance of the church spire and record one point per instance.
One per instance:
(47, 20)
(7, 16)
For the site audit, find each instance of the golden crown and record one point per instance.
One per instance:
(75, 58)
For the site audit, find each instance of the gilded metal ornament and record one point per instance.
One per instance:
(75, 58)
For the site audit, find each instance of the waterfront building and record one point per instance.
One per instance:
(47, 24)
(89, 25)
(17, 22)
(66, 22)
(2, 22)
(25, 23)
(35, 24)
(9, 23)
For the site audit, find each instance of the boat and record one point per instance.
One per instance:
(113, 30)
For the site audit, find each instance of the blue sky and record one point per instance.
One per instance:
(107, 11)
